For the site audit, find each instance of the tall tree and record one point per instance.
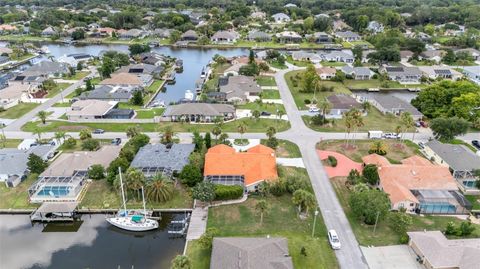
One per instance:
(160, 189)
(242, 128)
(135, 180)
(36, 164)
(446, 129)
(42, 115)
(304, 200)
(261, 207)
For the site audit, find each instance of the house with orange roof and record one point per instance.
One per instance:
(418, 185)
(223, 165)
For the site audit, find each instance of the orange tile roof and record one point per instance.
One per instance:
(415, 173)
(256, 164)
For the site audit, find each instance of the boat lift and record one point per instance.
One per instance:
(55, 212)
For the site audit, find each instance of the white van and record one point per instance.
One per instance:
(333, 239)
(375, 134)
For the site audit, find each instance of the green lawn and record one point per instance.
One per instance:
(10, 143)
(271, 44)
(100, 194)
(371, 83)
(17, 197)
(332, 64)
(65, 104)
(285, 149)
(300, 97)
(253, 126)
(266, 81)
(474, 200)
(374, 120)
(154, 86)
(384, 235)
(352, 44)
(268, 107)
(78, 146)
(149, 113)
(18, 110)
(78, 75)
(277, 65)
(270, 94)
(298, 63)
(58, 88)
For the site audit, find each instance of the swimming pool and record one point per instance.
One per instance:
(438, 208)
(54, 191)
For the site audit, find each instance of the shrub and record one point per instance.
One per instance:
(293, 184)
(272, 142)
(96, 171)
(332, 160)
(319, 120)
(278, 188)
(370, 173)
(450, 229)
(191, 175)
(404, 239)
(307, 101)
(70, 143)
(90, 144)
(230, 192)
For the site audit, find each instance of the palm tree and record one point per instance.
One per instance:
(366, 106)
(160, 189)
(60, 136)
(135, 180)
(271, 132)
(167, 135)
(42, 115)
(262, 207)
(325, 107)
(304, 200)
(242, 128)
(349, 123)
(85, 134)
(407, 120)
(256, 114)
(39, 133)
(357, 120)
(181, 262)
(280, 114)
(3, 138)
(216, 131)
(132, 131)
(223, 137)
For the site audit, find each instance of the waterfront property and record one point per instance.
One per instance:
(128, 80)
(250, 252)
(461, 161)
(13, 162)
(97, 109)
(199, 112)
(65, 178)
(341, 103)
(357, 73)
(223, 165)
(348, 36)
(440, 72)
(419, 186)
(403, 74)
(225, 37)
(110, 93)
(239, 89)
(435, 251)
(326, 73)
(155, 159)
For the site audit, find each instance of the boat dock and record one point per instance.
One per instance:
(55, 212)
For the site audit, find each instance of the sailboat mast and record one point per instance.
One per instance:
(143, 198)
(123, 193)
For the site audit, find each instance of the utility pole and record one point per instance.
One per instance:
(376, 221)
(314, 222)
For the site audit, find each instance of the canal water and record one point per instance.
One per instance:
(92, 243)
(194, 59)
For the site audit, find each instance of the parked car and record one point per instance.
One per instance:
(98, 131)
(265, 113)
(314, 110)
(476, 144)
(391, 136)
(116, 141)
(423, 124)
(418, 124)
(333, 239)
(421, 145)
(375, 134)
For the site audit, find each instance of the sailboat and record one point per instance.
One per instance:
(136, 222)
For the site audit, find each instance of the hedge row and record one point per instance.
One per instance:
(230, 192)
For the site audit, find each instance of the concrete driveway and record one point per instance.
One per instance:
(391, 257)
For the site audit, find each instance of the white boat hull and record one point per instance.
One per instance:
(126, 223)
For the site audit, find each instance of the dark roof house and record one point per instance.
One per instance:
(158, 158)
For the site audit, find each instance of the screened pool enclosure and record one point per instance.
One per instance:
(57, 188)
(441, 202)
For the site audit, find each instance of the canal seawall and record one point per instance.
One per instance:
(94, 211)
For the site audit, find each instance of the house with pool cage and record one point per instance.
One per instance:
(419, 186)
(65, 179)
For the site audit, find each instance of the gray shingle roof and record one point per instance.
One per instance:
(251, 253)
(391, 102)
(14, 161)
(458, 157)
(46, 68)
(106, 92)
(238, 86)
(157, 155)
(204, 109)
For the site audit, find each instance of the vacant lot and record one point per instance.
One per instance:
(18, 110)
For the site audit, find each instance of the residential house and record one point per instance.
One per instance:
(250, 252)
(341, 103)
(290, 5)
(13, 94)
(225, 37)
(142, 68)
(406, 55)
(65, 178)
(199, 112)
(281, 17)
(474, 53)
(321, 15)
(49, 31)
(338, 56)
(418, 186)
(189, 35)
(110, 93)
(289, 37)
(7, 28)
(133, 33)
(233, 70)
(258, 15)
(46, 69)
(153, 159)
(389, 103)
(402, 74)
(432, 55)
(472, 73)
(128, 79)
(435, 251)
(13, 162)
(73, 59)
(423, 36)
(358, 73)
(5, 51)
(348, 36)
(306, 56)
(103, 32)
(153, 58)
(91, 109)
(259, 36)
(375, 27)
(326, 73)
(223, 165)
(321, 37)
(460, 160)
(162, 33)
(440, 72)
(340, 25)
(240, 89)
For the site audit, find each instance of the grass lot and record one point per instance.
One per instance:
(270, 94)
(271, 44)
(268, 107)
(212, 84)
(65, 104)
(10, 143)
(60, 87)
(475, 201)
(332, 64)
(285, 149)
(374, 120)
(352, 44)
(384, 234)
(17, 197)
(266, 81)
(277, 65)
(253, 126)
(155, 85)
(78, 146)
(149, 113)
(18, 110)
(78, 75)
(396, 150)
(300, 97)
(371, 83)
(298, 63)
(101, 195)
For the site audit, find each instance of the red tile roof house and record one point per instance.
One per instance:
(223, 165)
(419, 186)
